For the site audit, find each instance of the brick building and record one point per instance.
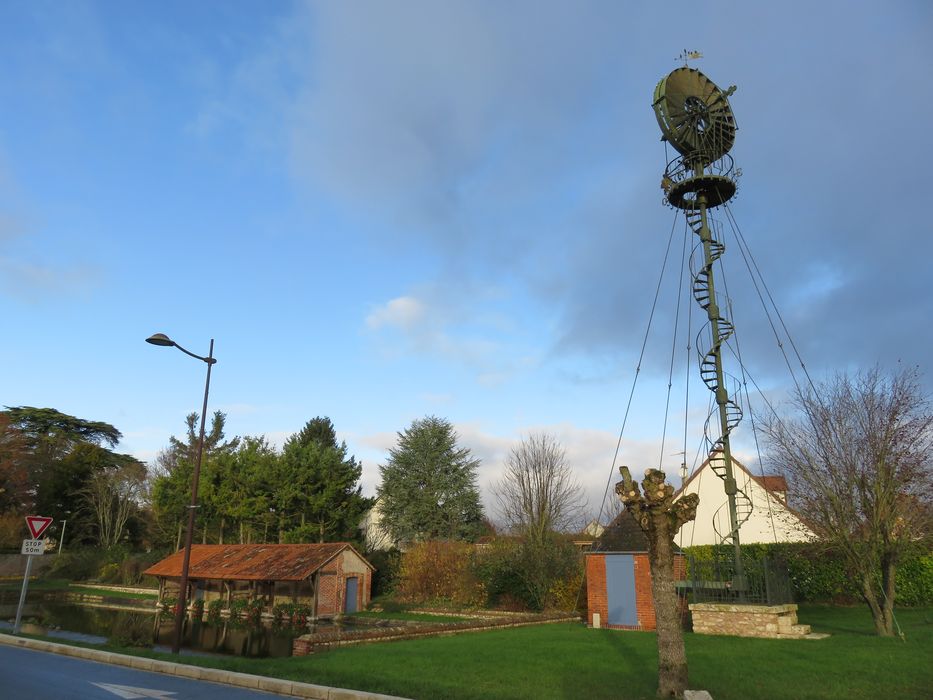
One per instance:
(331, 577)
(618, 578)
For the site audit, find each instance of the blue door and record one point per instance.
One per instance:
(620, 589)
(350, 597)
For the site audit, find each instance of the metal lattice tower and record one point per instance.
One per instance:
(696, 119)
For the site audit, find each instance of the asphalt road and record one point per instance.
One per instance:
(36, 675)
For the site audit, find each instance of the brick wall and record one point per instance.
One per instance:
(332, 584)
(598, 601)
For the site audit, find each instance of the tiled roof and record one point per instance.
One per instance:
(772, 483)
(251, 562)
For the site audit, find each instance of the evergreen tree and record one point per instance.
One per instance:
(428, 488)
(318, 494)
(171, 486)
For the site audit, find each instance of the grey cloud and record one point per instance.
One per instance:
(518, 141)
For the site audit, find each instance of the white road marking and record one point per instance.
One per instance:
(130, 693)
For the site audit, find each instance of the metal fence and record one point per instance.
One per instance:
(713, 580)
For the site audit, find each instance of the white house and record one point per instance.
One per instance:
(375, 536)
(770, 520)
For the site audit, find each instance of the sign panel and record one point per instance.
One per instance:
(37, 525)
(33, 547)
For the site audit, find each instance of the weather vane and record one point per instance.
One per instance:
(689, 56)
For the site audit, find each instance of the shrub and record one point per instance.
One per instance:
(109, 573)
(385, 576)
(132, 631)
(568, 594)
(77, 565)
(440, 572)
(820, 576)
(521, 576)
(169, 605)
(914, 581)
(213, 610)
(238, 608)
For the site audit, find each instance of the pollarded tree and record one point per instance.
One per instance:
(428, 488)
(318, 492)
(858, 459)
(660, 517)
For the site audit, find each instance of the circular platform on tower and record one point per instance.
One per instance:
(715, 189)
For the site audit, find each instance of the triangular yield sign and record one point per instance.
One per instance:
(37, 525)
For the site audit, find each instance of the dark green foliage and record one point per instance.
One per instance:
(62, 466)
(915, 581)
(134, 630)
(428, 488)
(519, 574)
(819, 576)
(387, 566)
(171, 488)
(317, 487)
(90, 563)
(55, 432)
(249, 492)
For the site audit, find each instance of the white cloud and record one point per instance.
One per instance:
(405, 313)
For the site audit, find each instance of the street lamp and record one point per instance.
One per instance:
(164, 341)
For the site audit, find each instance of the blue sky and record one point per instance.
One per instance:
(381, 211)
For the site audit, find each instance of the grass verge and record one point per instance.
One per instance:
(569, 661)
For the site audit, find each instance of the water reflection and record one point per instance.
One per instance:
(226, 636)
(145, 628)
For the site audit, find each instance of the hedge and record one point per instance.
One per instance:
(819, 576)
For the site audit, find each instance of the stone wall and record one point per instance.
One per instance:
(771, 621)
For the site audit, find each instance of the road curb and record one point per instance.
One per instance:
(213, 675)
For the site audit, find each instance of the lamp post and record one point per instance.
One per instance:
(164, 341)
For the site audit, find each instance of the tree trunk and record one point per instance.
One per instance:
(883, 625)
(178, 538)
(223, 524)
(672, 657)
(660, 518)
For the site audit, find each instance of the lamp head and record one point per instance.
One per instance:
(160, 339)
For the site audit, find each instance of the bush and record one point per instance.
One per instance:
(520, 576)
(819, 576)
(385, 576)
(440, 572)
(132, 631)
(77, 565)
(568, 594)
(914, 581)
(109, 573)
(238, 608)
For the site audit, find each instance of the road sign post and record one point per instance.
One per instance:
(31, 548)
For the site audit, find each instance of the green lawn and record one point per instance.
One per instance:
(65, 586)
(409, 616)
(569, 661)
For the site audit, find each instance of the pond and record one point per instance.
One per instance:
(141, 627)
